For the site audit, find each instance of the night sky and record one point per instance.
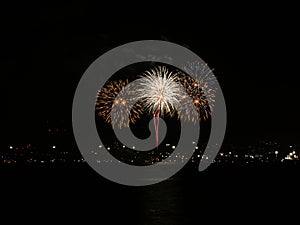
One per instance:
(253, 51)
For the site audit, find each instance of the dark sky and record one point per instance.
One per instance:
(253, 49)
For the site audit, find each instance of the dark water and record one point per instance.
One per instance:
(221, 193)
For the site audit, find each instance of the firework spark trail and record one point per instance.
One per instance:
(113, 98)
(160, 93)
(156, 126)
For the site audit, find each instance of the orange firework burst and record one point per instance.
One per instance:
(199, 85)
(118, 105)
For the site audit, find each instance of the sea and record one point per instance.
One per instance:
(66, 194)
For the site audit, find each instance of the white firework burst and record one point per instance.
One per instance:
(159, 91)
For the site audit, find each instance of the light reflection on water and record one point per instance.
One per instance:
(186, 198)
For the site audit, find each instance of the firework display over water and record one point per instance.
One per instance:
(254, 177)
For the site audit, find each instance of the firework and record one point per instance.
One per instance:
(160, 94)
(203, 79)
(159, 91)
(199, 85)
(117, 104)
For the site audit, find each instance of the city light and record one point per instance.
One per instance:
(264, 152)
